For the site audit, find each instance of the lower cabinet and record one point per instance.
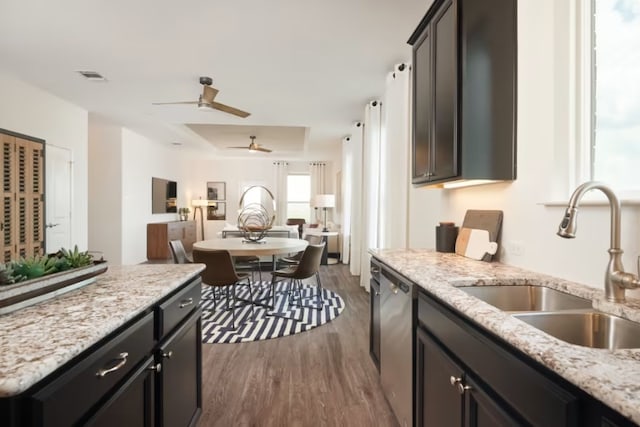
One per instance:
(147, 373)
(466, 376)
(374, 322)
(448, 396)
(179, 382)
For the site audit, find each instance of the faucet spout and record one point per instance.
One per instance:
(616, 280)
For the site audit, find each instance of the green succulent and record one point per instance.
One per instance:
(68, 259)
(32, 267)
(6, 275)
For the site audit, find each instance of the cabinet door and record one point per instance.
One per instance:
(180, 380)
(374, 325)
(422, 107)
(482, 411)
(438, 402)
(131, 405)
(444, 159)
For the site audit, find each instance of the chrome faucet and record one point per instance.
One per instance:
(615, 278)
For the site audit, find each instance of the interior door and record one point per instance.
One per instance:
(58, 198)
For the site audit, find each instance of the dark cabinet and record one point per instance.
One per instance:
(146, 373)
(179, 382)
(464, 99)
(448, 396)
(374, 314)
(435, 93)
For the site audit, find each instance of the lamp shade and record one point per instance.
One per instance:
(325, 201)
(199, 202)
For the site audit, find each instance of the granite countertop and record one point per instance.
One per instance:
(37, 340)
(613, 377)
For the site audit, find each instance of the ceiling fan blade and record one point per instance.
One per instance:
(209, 93)
(169, 103)
(229, 110)
(242, 148)
(265, 150)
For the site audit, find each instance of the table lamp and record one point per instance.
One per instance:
(325, 201)
(198, 204)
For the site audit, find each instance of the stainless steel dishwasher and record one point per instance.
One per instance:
(397, 318)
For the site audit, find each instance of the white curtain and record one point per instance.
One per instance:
(395, 143)
(370, 186)
(281, 170)
(352, 241)
(317, 177)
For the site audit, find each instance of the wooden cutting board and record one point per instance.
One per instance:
(474, 243)
(490, 220)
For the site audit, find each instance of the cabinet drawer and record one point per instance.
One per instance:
(177, 307)
(534, 396)
(65, 401)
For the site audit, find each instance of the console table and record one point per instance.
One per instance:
(159, 234)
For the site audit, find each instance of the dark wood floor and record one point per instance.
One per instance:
(322, 377)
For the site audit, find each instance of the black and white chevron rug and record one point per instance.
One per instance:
(216, 323)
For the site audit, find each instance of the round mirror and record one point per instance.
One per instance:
(257, 212)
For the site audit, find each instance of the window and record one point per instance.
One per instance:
(299, 196)
(615, 69)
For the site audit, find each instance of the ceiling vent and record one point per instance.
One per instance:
(92, 75)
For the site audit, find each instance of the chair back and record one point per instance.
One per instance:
(313, 239)
(299, 222)
(178, 253)
(310, 262)
(220, 270)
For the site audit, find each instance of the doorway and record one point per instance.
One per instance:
(59, 166)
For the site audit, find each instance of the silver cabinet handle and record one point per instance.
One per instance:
(157, 367)
(123, 360)
(393, 288)
(457, 382)
(375, 270)
(167, 355)
(186, 302)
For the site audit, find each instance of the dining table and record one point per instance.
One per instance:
(272, 246)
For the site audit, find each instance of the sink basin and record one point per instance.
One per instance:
(590, 329)
(526, 298)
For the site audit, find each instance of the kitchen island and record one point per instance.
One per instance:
(611, 377)
(112, 336)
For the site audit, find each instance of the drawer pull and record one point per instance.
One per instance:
(186, 302)
(123, 360)
(167, 355)
(157, 367)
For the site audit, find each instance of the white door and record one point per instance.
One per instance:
(58, 198)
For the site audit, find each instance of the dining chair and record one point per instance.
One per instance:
(248, 262)
(299, 222)
(220, 273)
(178, 253)
(309, 266)
(295, 258)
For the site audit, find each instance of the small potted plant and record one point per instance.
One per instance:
(184, 213)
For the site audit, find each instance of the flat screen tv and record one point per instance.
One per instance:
(164, 194)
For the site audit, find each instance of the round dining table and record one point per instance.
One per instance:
(241, 247)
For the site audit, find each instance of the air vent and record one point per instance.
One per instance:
(92, 75)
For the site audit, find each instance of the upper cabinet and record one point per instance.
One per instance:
(464, 92)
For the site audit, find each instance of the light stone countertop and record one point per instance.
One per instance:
(37, 340)
(613, 377)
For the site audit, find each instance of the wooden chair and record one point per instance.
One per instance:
(178, 253)
(308, 266)
(220, 273)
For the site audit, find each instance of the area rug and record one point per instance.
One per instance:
(216, 323)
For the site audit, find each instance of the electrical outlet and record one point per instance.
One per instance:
(516, 248)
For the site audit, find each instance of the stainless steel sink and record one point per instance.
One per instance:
(526, 298)
(590, 329)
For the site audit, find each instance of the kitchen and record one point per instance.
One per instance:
(531, 203)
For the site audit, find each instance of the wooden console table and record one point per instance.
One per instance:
(159, 234)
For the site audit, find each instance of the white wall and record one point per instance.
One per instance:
(105, 188)
(528, 232)
(28, 110)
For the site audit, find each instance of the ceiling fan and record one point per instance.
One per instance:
(253, 147)
(206, 102)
